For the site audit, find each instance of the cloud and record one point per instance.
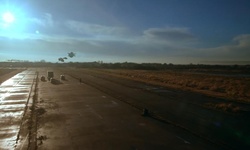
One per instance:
(237, 50)
(47, 25)
(95, 30)
(243, 40)
(45, 21)
(102, 42)
(169, 34)
(26, 27)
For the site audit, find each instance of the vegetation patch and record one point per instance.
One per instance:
(226, 107)
(230, 87)
(8, 73)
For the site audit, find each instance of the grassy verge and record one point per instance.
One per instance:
(233, 88)
(8, 73)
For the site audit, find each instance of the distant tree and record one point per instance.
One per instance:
(61, 59)
(71, 54)
(42, 61)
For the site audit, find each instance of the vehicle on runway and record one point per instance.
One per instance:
(62, 77)
(42, 78)
(50, 74)
(52, 80)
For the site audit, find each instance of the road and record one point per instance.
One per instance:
(75, 115)
(105, 113)
(183, 109)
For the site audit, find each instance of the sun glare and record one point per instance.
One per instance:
(8, 17)
(12, 21)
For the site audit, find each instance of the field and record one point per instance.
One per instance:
(7, 73)
(228, 87)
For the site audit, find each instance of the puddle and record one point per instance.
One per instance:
(156, 89)
(13, 98)
(9, 82)
(8, 142)
(6, 102)
(25, 83)
(16, 96)
(20, 90)
(11, 109)
(4, 116)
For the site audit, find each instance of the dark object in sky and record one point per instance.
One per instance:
(65, 58)
(61, 59)
(71, 54)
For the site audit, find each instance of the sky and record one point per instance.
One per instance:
(141, 31)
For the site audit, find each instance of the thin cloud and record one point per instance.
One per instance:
(45, 21)
(47, 25)
(99, 41)
(94, 30)
(237, 49)
(169, 34)
(243, 40)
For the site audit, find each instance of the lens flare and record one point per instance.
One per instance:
(8, 17)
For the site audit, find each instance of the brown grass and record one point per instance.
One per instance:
(234, 88)
(226, 107)
(7, 73)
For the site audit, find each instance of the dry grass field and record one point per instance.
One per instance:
(229, 87)
(7, 73)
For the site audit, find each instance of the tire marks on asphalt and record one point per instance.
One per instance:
(90, 109)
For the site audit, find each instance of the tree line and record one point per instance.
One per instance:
(130, 65)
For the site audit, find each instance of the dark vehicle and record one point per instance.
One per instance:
(62, 77)
(52, 80)
(50, 75)
(42, 78)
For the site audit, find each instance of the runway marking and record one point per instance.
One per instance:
(79, 113)
(115, 103)
(142, 124)
(98, 115)
(24, 141)
(186, 142)
(94, 112)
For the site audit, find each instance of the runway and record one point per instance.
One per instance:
(100, 112)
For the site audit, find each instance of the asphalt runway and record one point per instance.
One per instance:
(78, 116)
(180, 108)
(96, 113)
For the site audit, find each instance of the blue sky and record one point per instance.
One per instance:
(162, 31)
